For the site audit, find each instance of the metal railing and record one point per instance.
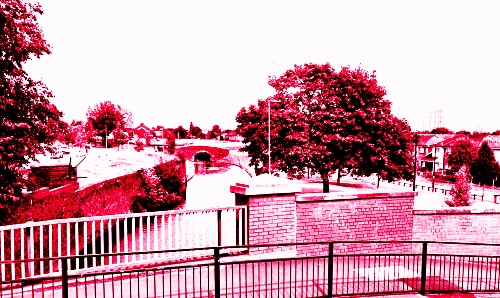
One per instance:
(436, 189)
(324, 275)
(44, 243)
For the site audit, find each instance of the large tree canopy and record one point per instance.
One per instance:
(106, 117)
(28, 121)
(324, 120)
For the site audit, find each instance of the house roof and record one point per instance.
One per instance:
(493, 141)
(142, 126)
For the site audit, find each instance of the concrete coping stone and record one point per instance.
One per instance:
(457, 210)
(266, 184)
(335, 196)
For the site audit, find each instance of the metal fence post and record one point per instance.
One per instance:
(217, 271)
(330, 269)
(219, 227)
(424, 268)
(237, 227)
(64, 277)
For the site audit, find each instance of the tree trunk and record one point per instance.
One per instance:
(326, 183)
(378, 181)
(339, 175)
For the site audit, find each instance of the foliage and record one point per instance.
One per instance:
(163, 187)
(180, 132)
(462, 153)
(324, 120)
(484, 168)
(139, 146)
(170, 142)
(29, 122)
(195, 131)
(463, 132)
(460, 192)
(479, 134)
(106, 117)
(441, 131)
(496, 133)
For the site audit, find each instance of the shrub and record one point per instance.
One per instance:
(460, 192)
(163, 187)
(139, 146)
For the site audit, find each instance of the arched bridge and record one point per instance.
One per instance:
(202, 153)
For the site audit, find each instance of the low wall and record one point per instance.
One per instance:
(278, 214)
(355, 217)
(458, 225)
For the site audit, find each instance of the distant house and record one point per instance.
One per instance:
(432, 150)
(142, 131)
(231, 136)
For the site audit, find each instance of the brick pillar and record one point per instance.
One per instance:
(272, 213)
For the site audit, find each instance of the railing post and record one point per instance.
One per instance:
(219, 227)
(424, 268)
(64, 277)
(237, 226)
(330, 269)
(217, 272)
(244, 227)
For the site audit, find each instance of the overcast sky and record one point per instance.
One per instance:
(173, 62)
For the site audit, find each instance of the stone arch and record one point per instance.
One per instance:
(202, 156)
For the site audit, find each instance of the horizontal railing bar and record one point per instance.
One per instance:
(116, 216)
(258, 246)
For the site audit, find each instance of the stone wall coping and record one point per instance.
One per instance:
(266, 185)
(456, 210)
(336, 196)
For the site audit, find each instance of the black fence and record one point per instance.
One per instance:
(284, 275)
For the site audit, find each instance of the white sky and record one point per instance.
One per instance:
(173, 62)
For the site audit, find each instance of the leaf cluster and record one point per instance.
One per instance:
(29, 122)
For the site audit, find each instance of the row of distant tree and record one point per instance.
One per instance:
(106, 118)
(474, 134)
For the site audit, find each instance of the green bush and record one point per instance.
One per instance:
(460, 192)
(163, 187)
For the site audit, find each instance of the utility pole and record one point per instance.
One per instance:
(434, 167)
(415, 139)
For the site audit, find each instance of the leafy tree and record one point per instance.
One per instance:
(388, 152)
(461, 154)
(460, 192)
(77, 133)
(29, 122)
(195, 131)
(106, 117)
(479, 134)
(484, 167)
(463, 132)
(441, 131)
(180, 132)
(496, 133)
(170, 142)
(326, 120)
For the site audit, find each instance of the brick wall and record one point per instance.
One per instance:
(271, 219)
(458, 225)
(354, 217)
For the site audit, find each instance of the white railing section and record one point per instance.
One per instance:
(135, 232)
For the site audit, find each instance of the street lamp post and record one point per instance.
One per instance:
(415, 139)
(269, 132)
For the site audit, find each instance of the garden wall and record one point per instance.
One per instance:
(277, 214)
(367, 216)
(458, 225)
